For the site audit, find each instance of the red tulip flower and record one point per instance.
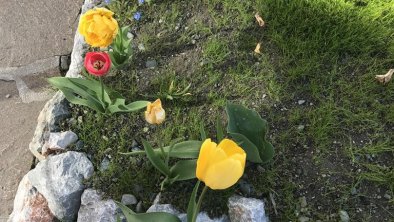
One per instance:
(97, 63)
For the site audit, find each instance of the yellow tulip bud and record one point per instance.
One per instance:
(98, 27)
(220, 166)
(155, 113)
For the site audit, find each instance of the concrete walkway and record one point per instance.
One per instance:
(33, 36)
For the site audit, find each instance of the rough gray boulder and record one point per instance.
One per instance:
(60, 180)
(55, 110)
(241, 209)
(93, 208)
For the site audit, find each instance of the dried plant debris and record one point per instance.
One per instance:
(384, 79)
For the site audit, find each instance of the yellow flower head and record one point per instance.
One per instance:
(98, 27)
(220, 166)
(155, 113)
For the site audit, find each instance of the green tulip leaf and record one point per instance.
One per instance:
(183, 150)
(81, 91)
(155, 159)
(147, 217)
(252, 152)
(184, 170)
(249, 131)
(192, 206)
(120, 106)
(219, 130)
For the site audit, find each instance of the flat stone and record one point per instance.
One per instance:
(29, 204)
(243, 209)
(59, 179)
(93, 208)
(129, 199)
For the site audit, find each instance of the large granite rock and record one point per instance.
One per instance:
(60, 180)
(241, 209)
(30, 205)
(93, 208)
(55, 110)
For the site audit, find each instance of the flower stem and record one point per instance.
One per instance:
(102, 94)
(199, 203)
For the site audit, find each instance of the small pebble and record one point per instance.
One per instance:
(151, 64)
(104, 165)
(130, 35)
(387, 196)
(7, 96)
(301, 101)
(353, 191)
(344, 216)
(141, 47)
(129, 199)
(300, 127)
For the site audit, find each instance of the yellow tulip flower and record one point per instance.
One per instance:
(155, 113)
(220, 166)
(98, 27)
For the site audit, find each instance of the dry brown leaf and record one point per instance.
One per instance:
(257, 49)
(259, 20)
(385, 78)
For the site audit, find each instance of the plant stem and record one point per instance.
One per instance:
(199, 204)
(102, 94)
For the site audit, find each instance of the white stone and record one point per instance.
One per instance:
(301, 101)
(243, 209)
(59, 179)
(29, 204)
(93, 208)
(60, 141)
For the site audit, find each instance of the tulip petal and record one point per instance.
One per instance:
(224, 174)
(109, 22)
(207, 148)
(230, 147)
